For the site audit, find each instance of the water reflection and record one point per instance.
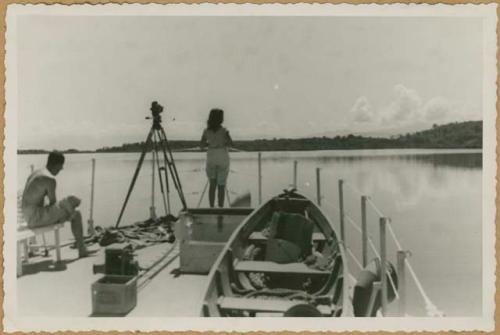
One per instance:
(459, 160)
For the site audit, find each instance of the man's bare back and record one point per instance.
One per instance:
(41, 185)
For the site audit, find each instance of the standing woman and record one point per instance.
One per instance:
(217, 139)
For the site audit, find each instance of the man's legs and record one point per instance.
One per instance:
(211, 192)
(77, 229)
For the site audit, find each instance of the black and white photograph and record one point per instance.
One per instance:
(222, 167)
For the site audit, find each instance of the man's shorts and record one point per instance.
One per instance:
(49, 215)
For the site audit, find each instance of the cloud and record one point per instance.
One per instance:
(437, 109)
(405, 106)
(362, 111)
(405, 109)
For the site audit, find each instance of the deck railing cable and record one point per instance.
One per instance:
(371, 244)
(356, 260)
(377, 255)
(430, 307)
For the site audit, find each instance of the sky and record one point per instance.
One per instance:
(88, 81)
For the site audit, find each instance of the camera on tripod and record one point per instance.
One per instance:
(156, 110)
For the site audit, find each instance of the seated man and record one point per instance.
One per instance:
(41, 184)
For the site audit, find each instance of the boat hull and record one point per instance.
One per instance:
(284, 254)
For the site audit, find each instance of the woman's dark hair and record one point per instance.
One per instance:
(215, 119)
(55, 158)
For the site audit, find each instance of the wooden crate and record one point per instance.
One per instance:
(114, 295)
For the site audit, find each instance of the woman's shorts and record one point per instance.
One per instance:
(217, 172)
(217, 165)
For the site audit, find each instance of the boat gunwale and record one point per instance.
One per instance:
(218, 211)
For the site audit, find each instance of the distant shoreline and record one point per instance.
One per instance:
(463, 135)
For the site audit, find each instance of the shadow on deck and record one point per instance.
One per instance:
(48, 289)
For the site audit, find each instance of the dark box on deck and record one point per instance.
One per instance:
(114, 295)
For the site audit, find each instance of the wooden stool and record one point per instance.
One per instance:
(24, 234)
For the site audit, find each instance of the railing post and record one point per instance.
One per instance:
(341, 210)
(295, 174)
(402, 282)
(383, 265)
(32, 240)
(90, 227)
(371, 302)
(259, 159)
(364, 232)
(318, 186)
(152, 209)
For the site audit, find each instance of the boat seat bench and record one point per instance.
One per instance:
(259, 237)
(272, 267)
(263, 305)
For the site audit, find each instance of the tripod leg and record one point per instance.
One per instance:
(202, 194)
(152, 209)
(166, 195)
(173, 168)
(157, 158)
(168, 189)
(167, 164)
(167, 159)
(134, 178)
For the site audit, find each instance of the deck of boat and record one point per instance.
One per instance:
(66, 291)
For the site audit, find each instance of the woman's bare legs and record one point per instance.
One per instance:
(211, 192)
(220, 194)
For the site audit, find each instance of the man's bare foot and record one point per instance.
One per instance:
(83, 253)
(87, 253)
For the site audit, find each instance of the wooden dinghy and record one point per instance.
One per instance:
(283, 260)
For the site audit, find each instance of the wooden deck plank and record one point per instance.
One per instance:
(272, 267)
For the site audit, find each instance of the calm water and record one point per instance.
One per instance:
(433, 197)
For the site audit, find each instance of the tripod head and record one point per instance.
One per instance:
(156, 109)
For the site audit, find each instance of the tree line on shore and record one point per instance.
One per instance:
(467, 134)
